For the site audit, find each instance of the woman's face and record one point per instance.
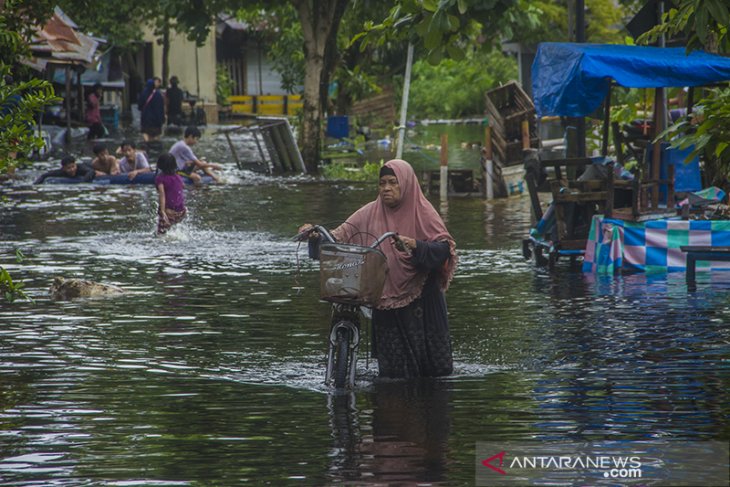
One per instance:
(389, 191)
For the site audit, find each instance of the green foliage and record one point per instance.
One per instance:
(19, 104)
(223, 85)
(279, 28)
(704, 23)
(454, 88)
(448, 28)
(370, 171)
(707, 129)
(602, 17)
(22, 17)
(18, 21)
(120, 23)
(9, 289)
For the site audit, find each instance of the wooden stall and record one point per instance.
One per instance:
(574, 80)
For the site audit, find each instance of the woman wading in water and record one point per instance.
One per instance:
(410, 323)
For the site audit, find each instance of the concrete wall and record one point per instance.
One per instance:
(198, 80)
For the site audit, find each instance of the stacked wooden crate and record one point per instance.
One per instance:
(506, 108)
(376, 111)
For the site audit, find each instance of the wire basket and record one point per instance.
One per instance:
(351, 274)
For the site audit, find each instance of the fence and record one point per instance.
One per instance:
(265, 104)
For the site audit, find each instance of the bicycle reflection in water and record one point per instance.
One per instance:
(403, 441)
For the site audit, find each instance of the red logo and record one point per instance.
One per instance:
(499, 455)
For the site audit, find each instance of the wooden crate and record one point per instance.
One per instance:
(506, 108)
(376, 111)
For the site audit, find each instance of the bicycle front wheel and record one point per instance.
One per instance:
(342, 357)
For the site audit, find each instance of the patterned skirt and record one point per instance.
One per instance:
(414, 341)
(173, 217)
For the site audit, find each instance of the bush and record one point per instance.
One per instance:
(223, 85)
(370, 171)
(454, 89)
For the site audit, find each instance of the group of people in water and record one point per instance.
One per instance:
(155, 107)
(180, 162)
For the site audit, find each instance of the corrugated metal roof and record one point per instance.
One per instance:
(59, 41)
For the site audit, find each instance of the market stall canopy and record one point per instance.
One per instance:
(572, 80)
(60, 42)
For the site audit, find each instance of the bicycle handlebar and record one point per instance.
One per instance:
(302, 236)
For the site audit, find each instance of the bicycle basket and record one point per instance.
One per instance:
(351, 274)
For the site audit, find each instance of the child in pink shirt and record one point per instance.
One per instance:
(170, 192)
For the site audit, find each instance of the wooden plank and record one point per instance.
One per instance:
(704, 248)
(627, 214)
(608, 210)
(286, 163)
(570, 162)
(600, 196)
(277, 165)
(578, 244)
(534, 198)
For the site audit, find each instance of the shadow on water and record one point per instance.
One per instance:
(210, 368)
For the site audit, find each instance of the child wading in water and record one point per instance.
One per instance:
(170, 191)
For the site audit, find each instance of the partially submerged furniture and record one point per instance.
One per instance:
(702, 252)
(563, 230)
(573, 80)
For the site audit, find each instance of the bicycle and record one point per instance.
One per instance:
(351, 277)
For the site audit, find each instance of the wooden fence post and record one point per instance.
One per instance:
(444, 181)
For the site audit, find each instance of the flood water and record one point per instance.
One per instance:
(209, 370)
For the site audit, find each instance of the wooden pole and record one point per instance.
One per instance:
(525, 125)
(660, 123)
(444, 181)
(606, 120)
(67, 72)
(488, 164)
(656, 154)
(80, 96)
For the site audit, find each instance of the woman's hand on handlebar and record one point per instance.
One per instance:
(306, 231)
(408, 243)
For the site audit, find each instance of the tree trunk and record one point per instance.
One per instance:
(331, 58)
(320, 20)
(165, 51)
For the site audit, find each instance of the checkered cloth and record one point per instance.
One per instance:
(651, 246)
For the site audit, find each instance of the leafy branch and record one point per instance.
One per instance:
(10, 289)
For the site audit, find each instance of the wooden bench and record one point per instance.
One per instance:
(702, 252)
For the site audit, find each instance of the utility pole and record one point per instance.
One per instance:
(404, 104)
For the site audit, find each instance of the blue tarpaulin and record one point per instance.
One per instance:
(572, 80)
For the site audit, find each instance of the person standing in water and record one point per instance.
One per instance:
(174, 98)
(152, 110)
(93, 113)
(410, 323)
(170, 194)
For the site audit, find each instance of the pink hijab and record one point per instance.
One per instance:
(414, 217)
